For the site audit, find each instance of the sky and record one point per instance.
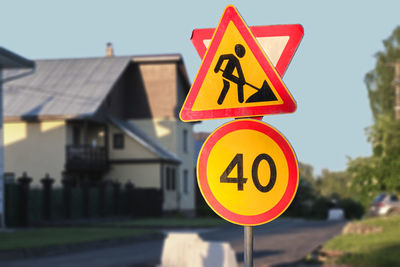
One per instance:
(325, 77)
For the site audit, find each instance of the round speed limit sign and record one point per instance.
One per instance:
(247, 172)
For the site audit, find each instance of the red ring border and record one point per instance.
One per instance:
(293, 172)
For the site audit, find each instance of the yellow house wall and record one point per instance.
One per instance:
(141, 175)
(169, 132)
(35, 147)
(187, 200)
(132, 149)
(163, 130)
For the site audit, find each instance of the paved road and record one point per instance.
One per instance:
(281, 242)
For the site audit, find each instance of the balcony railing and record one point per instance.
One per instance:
(86, 158)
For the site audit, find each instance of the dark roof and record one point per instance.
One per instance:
(63, 87)
(10, 60)
(69, 88)
(130, 129)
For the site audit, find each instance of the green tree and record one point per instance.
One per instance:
(381, 171)
(305, 195)
(334, 184)
(364, 178)
(306, 172)
(379, 81)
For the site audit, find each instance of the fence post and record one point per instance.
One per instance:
(24, 182)
(159, 203)
(47, 183)
(129, 187)
(116, 186)
(102, 198)
(67, 184)
(85, 197)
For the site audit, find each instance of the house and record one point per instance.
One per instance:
(9, 60)
(109, 118)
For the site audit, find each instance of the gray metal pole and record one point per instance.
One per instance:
(248, 246)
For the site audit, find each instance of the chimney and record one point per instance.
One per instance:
(109, 50)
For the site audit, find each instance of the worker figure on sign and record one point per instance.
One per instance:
(232, 64)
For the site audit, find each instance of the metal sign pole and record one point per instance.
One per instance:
(248, 246)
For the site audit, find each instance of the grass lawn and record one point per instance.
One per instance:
(374, 249)
(174, 222)
(52, 236)
(42, 237)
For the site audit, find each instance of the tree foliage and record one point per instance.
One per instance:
(364, 178)
(315, 196)
(306, 173)
(381, 171)
(333, 184)
(379, 81)
(305, 196)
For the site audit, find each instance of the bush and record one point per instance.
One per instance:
(303, 201)
(203, 210)
(351, 208)
(320, 208)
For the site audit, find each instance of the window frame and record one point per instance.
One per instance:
(118, 144)
(185, 141)
(186, 181)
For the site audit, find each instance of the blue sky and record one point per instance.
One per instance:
(325, 76)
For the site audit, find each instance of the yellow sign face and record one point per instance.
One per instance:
(244, 146)
(241, 76)
(247, 172)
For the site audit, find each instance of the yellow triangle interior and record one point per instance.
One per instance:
(213, 82)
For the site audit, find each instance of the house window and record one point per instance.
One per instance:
(76, 136)
(168, 178)
(171, 180)
(118, 141)
(185, 141)
(185, 181)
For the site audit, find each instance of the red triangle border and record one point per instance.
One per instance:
(289, 105)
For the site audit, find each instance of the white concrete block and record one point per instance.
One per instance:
(335, 215)
(188, 249)
(220, 254)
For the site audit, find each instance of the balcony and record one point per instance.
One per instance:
(86, 158)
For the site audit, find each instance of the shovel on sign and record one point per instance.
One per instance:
(263, 94)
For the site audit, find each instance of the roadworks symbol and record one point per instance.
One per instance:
(264, 93)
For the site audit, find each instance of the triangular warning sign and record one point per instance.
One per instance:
(235, 78)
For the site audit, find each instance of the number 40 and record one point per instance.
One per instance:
(240, 180)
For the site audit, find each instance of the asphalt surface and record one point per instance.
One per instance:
(283, 242)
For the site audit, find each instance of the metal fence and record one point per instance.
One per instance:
(25, 206)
